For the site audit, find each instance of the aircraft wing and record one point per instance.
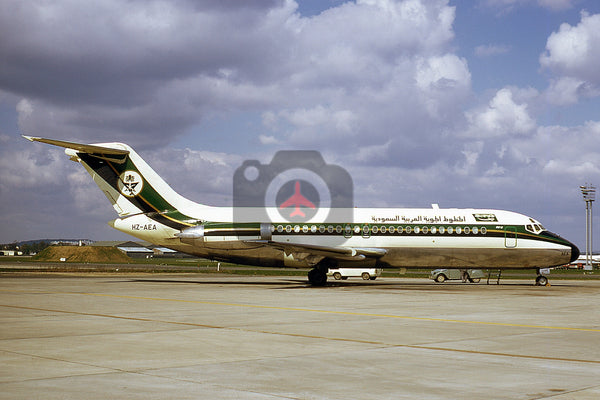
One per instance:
(336, 252)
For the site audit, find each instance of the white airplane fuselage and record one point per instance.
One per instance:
(417, 238)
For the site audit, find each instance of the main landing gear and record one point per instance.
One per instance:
(317, 276)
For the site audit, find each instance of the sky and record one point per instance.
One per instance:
(483, 103)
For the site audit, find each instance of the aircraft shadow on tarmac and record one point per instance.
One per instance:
(303, 284)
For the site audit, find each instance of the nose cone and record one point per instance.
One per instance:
(574, 252)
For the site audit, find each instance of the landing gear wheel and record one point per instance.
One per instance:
(440, 278)
(337, 276)
(541, 280)
(366, 276)
(317, 277)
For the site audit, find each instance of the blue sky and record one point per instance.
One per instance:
(490, 103)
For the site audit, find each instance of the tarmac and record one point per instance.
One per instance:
(195, 336)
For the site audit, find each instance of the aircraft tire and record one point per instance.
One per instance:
(541, 280)
(317, 277)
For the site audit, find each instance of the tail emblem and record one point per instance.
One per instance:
(130, 183)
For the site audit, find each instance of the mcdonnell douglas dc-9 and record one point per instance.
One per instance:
(376, 237)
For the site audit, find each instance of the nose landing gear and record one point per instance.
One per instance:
(541, 280)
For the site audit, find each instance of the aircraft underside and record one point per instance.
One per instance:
(405, 257)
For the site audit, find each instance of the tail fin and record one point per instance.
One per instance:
(129, 183)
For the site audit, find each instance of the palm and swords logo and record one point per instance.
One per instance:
(130, 183)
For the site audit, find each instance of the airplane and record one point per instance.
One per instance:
(297, 200)
(149, 209)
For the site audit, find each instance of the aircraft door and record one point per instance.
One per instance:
(510, 237)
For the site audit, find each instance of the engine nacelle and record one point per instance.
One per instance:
(193, 235)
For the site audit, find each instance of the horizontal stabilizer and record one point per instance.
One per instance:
(82, 148)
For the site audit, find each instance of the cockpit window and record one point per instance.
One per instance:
(534, 228)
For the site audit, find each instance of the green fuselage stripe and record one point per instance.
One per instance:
(339, 229)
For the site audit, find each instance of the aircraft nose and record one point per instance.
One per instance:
(574, 252)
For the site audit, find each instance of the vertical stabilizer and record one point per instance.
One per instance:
(129, 182)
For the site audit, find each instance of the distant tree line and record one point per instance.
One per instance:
(27, 248)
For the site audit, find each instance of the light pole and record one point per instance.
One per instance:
(589, 195)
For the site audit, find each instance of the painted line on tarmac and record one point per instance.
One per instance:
(360, 314)
(299, 335)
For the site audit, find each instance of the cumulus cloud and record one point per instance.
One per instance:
(568, 90)
(503, 116)
(117, 69)
(201, 176)
(574, 51)
(156, 81)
